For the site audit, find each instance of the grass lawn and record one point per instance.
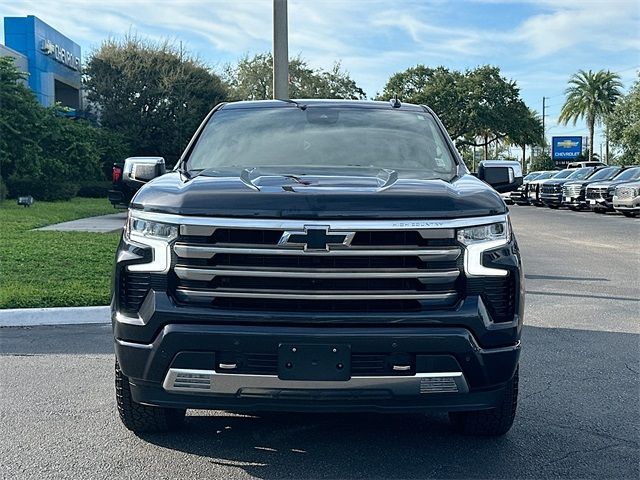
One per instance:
(54, 269)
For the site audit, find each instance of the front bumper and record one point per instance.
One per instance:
(449, 372)
(627, 204)
(459, 358)
(551, 199)
(600, 203)
(521, 197)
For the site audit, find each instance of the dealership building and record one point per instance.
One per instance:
(51, 60)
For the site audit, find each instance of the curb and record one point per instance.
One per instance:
(26, 317)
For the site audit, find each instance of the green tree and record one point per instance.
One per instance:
(478, 107)
(528, 133)
(445, 91)
(623, 124)
(42, 152)
(542, 162)
(590, 96)
(20, 118)
(252, 79)
(154, 94)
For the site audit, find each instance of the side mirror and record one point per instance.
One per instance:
(502, 175)
(139, 170)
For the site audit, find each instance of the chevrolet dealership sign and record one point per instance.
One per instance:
(565, 148)
(60, 54)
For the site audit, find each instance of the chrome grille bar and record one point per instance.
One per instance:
(185, 294)
(198, 251)
(207, 274)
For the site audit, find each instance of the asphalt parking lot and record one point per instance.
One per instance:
(578, 415)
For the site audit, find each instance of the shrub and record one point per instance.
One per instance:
(95, 189)
(3, 190)
(41, 188)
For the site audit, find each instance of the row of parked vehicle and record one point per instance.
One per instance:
(593, 185)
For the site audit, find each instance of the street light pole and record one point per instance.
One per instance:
(280, 50)
(544, 132)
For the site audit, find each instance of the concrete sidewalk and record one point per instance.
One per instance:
(100, 224)
(28, 317)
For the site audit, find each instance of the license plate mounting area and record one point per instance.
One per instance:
(314, 362)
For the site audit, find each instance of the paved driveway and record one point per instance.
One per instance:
(577, 418)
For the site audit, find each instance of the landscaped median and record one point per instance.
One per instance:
(49, 268)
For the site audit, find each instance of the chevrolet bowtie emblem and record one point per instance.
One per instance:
(315, 238)
(567, 144)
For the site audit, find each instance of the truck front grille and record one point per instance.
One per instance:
(596, 193)
(550, 189)
(242, 268)
(572, 191)
(625, 192)
(362, 364)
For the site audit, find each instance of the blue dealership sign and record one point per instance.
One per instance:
(564, 149)
(54, 60)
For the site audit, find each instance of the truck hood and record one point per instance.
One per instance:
(608, 183)
(582, 183)
(354, 192)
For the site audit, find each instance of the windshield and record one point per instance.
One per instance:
(563, 173)
(323, 136)
(629, 174)
(605, 173)
(531, 176)
(580, 173)
(544, 175)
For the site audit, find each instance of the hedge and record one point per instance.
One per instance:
(41, 189)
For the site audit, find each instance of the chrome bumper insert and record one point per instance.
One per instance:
(200, 382)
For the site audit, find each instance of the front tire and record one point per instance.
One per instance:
(141, 418)
(493, 422)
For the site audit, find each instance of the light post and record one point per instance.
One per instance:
(280, 51)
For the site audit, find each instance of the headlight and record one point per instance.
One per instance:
(153, 234)
(151, 229)
(478, 240)
(484, 233)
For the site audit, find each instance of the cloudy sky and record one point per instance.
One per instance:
(538, 43)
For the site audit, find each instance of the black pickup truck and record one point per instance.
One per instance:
(319, 256)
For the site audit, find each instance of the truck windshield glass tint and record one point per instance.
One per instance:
(604, 173)
(580, 173)
(563, 174)
(630, 174)
(321, 136)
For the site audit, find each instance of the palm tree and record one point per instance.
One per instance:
(590, 95)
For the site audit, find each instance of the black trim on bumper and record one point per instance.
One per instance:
(485, 370)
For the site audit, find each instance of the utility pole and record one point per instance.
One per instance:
(544, 114)
(280, 51)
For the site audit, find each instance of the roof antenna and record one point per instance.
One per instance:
(395, 103)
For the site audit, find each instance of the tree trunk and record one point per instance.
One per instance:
(606, 151)
(524, 157)
(591, 124)
(486, 147)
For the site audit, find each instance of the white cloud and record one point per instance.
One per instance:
(568, 24)
(374, 38)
